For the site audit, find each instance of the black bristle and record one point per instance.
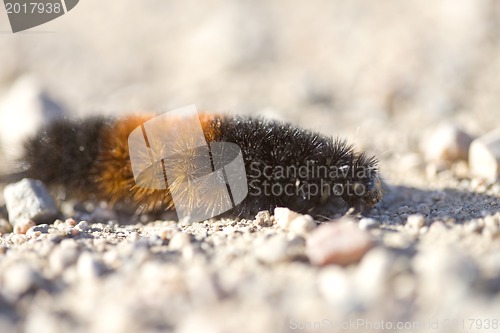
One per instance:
(274, 146)
(285, 166)
(64, 153)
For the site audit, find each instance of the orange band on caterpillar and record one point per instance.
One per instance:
(90, 158)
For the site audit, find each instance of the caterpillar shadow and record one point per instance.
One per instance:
(443, 205)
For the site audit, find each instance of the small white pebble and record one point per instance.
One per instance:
(228, 230)
(423, 230)
(368, 223)
(179, 240)
(415, 221)
(302, 225)
(58, 222)
(134, 236)
(284, 216)
(263, 218)
(484, 156)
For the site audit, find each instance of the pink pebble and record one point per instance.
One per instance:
(340, 242)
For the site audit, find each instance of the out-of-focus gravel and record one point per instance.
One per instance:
(413, 82)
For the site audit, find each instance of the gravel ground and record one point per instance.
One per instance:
(386, 76)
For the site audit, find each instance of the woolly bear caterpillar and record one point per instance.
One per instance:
(285, 166)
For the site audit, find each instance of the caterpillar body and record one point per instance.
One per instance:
(286, 166)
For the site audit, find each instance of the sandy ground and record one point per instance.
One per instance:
(383, 75)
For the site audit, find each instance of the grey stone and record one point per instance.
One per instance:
(27, 200)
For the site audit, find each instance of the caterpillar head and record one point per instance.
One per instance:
(369, 197)
(363, 190)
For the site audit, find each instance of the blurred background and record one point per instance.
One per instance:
(347, 67)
